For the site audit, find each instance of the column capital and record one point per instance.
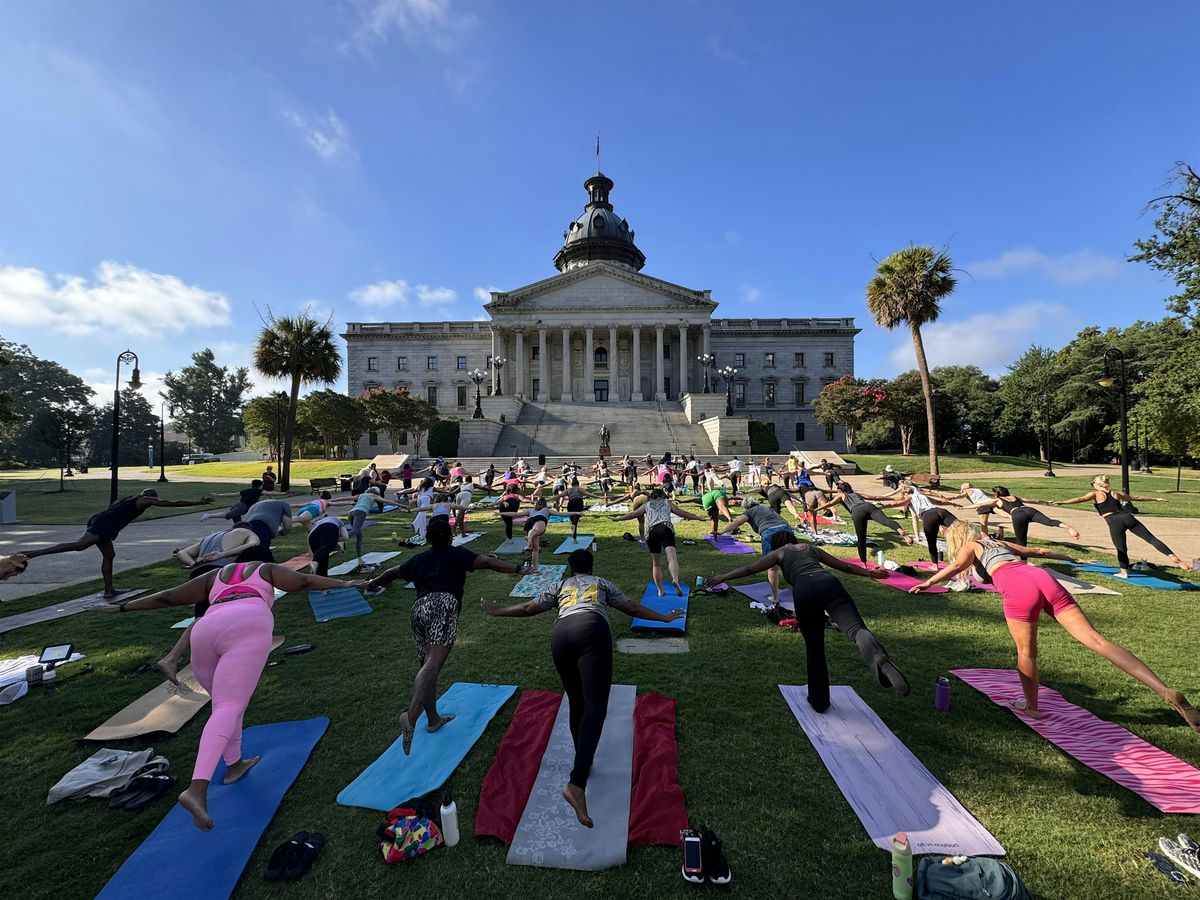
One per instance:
(589, 329)
(542, 326)
(659, 326)
(518, 329)
(637, 329)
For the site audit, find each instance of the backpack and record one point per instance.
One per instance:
(978, 878)
(409, 832)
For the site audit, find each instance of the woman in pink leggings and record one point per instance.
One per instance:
(230, 645)
(1029, 591)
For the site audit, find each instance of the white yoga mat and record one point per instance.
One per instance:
(460, 539)
(886, 785)
(1075, 586)
(60, 610)
(369, 559)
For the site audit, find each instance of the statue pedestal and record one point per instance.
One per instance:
(604, 451)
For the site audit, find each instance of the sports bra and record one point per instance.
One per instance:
(1008, 504)
(1109, 504)
(995, 555)
(241, 583)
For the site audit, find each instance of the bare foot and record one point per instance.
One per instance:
(1022, 707)
(660, 591)
(442, 720)
(578, 802)
(1190, 714)
(1186, 566)
(678, 588)
(1123, 573)
(169, 669)
(1074, 533)
(240, 768)
(116, 592)
(199, 812)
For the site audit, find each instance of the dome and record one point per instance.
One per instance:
(598, 234)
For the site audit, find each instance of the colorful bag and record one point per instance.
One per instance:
(407, 834)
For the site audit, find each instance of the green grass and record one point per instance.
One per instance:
(873, 463)
(1185, 504)
(745, 766)
(302, 469)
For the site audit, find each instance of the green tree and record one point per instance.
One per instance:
(30, 383)
(207, 401)
(908, 288)
(64, 428)
(1176, 247)
(262, 419)
(338, 419)
(904, 406)
(849, 401)
(1170, 405)
(762, 438)
(443, 438)
(397, 412)
(966, 406)
(301, 350)
(1028, 394)
(138, 431)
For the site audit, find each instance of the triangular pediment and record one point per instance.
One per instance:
(600, 285)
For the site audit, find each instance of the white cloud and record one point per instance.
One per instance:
(434, 23)
(400, 293)
(327, 135)
(100, 381)
(120, 299)
(484, 294)
(1070, 268)
(750, 294)
(987, 340)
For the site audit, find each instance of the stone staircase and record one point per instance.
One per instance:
(572, 430)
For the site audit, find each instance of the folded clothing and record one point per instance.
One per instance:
(104, 773)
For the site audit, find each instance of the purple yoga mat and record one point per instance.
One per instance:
(761, 591)
(727, 544)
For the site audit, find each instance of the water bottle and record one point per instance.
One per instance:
(48, 680)
(879, 558)
(902, 867)
(395, 538)
(449, 816)
(941, 694)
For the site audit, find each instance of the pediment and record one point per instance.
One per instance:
(599, 285)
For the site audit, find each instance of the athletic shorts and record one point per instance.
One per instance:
(313, 509)
(262, 531)
(660, 536)
(812, 497)
(434, 622)
(1029, 591)
(530, 522)
(766, 536)
(103, 526)
(709, 501)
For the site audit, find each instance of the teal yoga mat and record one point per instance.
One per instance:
(339, 604)
(663, 604)
(394, 777)
(1138, 579)
(570, 545)
(180, 861)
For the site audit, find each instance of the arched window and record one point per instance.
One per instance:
(601, 356)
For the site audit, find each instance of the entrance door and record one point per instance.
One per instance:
(537, 384)
(601, 390)
(667, 387)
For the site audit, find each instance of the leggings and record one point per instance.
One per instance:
(581, 645)
(1022, 516)
(862, 514)
(931, 521)
(696, 483)
(815, 595)
(230, 646)
(358, 520)
(322, 541)
(734, 478)
(1121, 522)
(236, 512)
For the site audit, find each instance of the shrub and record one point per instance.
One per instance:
(443, 438)
(762, 438)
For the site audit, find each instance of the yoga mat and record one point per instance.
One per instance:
(570, 545)
(165, 708)
(1165, 782)
(641, 646)
(760, 591)
(666, 603)
(727, 544)
(558, 520)
(512, 545)
(927, 566)
(60, 610)
(1139, 579)
(657, 813)
(342, 603)
(369, 559)
(610, 507)
(296, 563)
(885, 784)
(184, 623)
(394, 777)
(506, 786)
(460, 539)
(531, 585)
(1075, 586)
(180, 861)
(548, 834)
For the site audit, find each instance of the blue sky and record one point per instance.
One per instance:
(170, 170)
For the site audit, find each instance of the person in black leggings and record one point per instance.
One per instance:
(1022, 515)
(816, 592)
(575, 497)
(1120, 521)
(509, 502)
(581, 645)
(327, 536)
(928, 515)
(862, 512)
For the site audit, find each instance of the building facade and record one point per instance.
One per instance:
(602, 331)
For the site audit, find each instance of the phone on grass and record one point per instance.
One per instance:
(691, 855)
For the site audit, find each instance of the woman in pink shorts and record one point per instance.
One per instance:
(1029, 591)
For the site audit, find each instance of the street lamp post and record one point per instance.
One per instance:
(127, 357)
(707, 361)
(162, 441)
(1049, 473)
(728, 373)
(498, 364)
(477, 376)
(1108, 381)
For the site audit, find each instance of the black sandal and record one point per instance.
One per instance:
(304, 857)
(281, 858)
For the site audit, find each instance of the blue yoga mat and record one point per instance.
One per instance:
(394, 777)
(664, 604)
(180, 861)
(338, 604)
(570, 545)
(1138, 579)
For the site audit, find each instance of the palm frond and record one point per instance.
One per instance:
(909, 286)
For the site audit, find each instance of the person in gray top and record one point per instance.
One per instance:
(268, 518)
(656, 514)
(766, 524)
(221, 546)
(581, 645)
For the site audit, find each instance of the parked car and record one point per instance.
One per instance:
(193, 458)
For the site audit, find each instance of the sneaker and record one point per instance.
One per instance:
(1184, 856)
(716, 869)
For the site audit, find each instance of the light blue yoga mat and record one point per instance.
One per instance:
(1138, 579)
(532, 585)
(180, 861)
(570, 545)
(394, 777)
(664, 604)
(338, 604)
(184, 623)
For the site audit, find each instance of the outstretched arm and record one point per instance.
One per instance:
(734, 525)
(1090, 495)
(635, 610)
(634, 514)
(828, 559)
(517, 611)
(190, 592)
(962, 562)
(157, 501)
(770, 560)
(684, 514)
(1120, 495)
(498, 565)
(1039, 552)
(287, 580)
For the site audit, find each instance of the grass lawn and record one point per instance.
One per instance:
(745, 765)
(1185, 504)
(873, 463)
(302, 469)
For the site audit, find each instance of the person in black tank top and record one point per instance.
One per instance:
(816, 593)
(1022, 516)
(103, 528)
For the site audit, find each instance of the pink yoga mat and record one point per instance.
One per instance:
(931, 567)
(1166, 782)
(902, 582)
(727, 544)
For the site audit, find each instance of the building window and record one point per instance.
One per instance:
(739, 360)
(431, 394)
(829, 432)
(768, 360)
(461, 391)
(798, 360)
(401, 363)
(488, 365)
(372, 363)
(600, 354)
(829, 360)
(768, 394)
(771, 427)
(372, 438)
(799, 431)
(461, 363)
(666, 351)
(535, 353)
(799, 394)
(371, 385)
(739, 394)
(431, 363)
(403, 439)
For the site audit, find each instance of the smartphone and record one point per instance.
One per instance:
(691, 856)
(299, 648)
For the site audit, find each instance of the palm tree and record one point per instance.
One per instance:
(301, 349)
(908, 287)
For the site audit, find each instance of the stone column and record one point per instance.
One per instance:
(707, 335)
(492, 368)
(543, 365)
(614, 365)
(589, 391)
(683, 360)
(565, 396)
(660, 392)
(635, 383)
(519, 364)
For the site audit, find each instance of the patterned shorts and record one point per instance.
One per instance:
(434, 622)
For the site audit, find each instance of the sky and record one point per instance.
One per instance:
(172, 173)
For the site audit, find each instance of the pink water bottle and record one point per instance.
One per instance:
(941, 694)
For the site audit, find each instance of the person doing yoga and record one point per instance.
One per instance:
(766, 524)
(655, 514)
(861, 512)
(983, 504)
(778, 497)
(440, 576)
(313, 510)
(102, 529)
(1028, 591)
(715, 502)
(219, 547)
(575, 497)
(929, 516)
(1120, 521)
(507, 507)
(327, 537)
(230, 645)
(581, 645)
(1022, 514)
(816, 592)
(246, 499)
(371, 500)
(535, 527)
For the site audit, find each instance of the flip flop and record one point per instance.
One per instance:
(154, 787)
(304, 856)
(139, 669)
(283, 855)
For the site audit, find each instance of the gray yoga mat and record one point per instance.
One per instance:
(512, 545)
(369, 559)
(548, 834)
(60, 610)
(1075, 586)
(886, 785)
(653, 645)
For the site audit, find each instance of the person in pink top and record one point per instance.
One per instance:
(230, 644)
